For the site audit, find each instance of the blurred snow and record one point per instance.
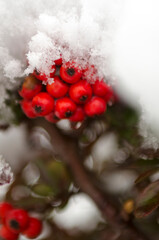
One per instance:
(31, 174)
(80, 214)
(119, 181)
(154, 177)
(135, 60)
(147, 131)
(104, 149)
(14, 146)
(64, 124)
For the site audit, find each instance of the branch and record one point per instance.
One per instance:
(67, 150)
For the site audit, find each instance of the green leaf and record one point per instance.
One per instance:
(148, 200)
(54, 174)
(42, 190)
(124, 120)
(13, 103)
(146, 174)
(59, 174)
(146, 163)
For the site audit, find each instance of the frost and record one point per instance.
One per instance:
(6, 175)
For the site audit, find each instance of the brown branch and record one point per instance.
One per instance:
(4, 127)
(67, 150)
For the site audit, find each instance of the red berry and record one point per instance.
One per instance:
(110, 95)
(101, 89)
(78, 116)
(17, 220)
(34, 228)
(70, 72)
(6, 234)
(28, 109)
(30, 87)
(43, 104)
(58, 62)
(95, 106)
(51, 117)
(65, 107)
(58, 88)
(43, 76)
(4, 209)
(81, 92)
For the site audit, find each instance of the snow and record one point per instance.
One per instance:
(135, 60)
(37, 33)
(13, 69)
(120, 38)
(6, 175)
(119, 181)
(146, 130)
(84, 214)
(79, 34)
(41, 31)
(14, 146)
(104, 149)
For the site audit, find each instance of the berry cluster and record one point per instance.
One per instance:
(15, 221)
(70, 95)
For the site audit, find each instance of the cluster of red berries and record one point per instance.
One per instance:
(16, 221)
(70, 95)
